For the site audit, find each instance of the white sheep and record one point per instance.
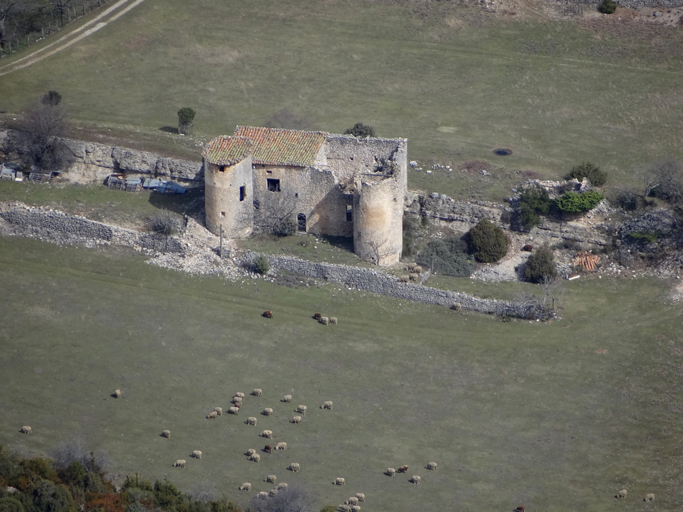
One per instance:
(281, 486)
(257, 392)
(236, 400)
(324, 320)
(197, 454)
(351, 501)
(649, 497)
(415, 479)
(212, 415)
(296, 419)
(219, 411)
(355, 508)
(339, 481)
(255, 457)
(26, 430)
(272, 492)
(166, 434)
(301, 409)
(263, 495)
(246, 486)
(271, 479)
(234, 410)
(344, 508)
(287, 398)
(294, 466)
(117, 393)
(267, 411)
(333, 320)
(390, 472)
(327, 405)
(180, 463)
(281, 446)
(239, 394)
(250, 452)
(267, 434)
(431, 465)
(622, 494)
(251, 420)
(360, 496)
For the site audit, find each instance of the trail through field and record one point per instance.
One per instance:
(33, 57)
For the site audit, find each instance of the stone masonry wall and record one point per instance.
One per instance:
(634, 4)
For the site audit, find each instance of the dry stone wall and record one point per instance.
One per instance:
(634, 4)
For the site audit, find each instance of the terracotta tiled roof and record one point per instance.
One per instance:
(226, 150)
(277, 146)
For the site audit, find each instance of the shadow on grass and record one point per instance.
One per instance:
(183, 204)
(341, 242)
(169, 129)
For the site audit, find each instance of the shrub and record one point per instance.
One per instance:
(10, 505)
(664, 180)
(573, 202)
(644, 237)
(534, 201)
(595, 175)
(541, 265)
(625, 198)
(261, 265)
(284, 227)
(488, 242)
(361, 130)
(163, 223)
(51, 98)
(608, 7)
(185, 120)
(447, 256)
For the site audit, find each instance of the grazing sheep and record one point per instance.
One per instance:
(272, 492)
(414, 277)
(239, 394)
(417, 269)
(166, 434)
(197, 454)
(263, 495)
(649, 497)
(26, 430)
(333, 320)
(236, 400)
(219, 411)
(324, 320)
(403, 279)
(255, 457)
(431, 465)
(180, 463)
(116, 394)
(301, 409)
(520, 509)
(257, 392)
(251, 420)
(267, 433)
(296, 419)
(622, 494)
(344, 508)
(271, 479)
(456, 306)
(360, 496)
(286, 398)
(390, 472)
(339, 481)
(415, 479)
(233, 410)
(281, 486)
(402, 469)
(294, 466)
(250, 452)
(327, 405)
(355, 508)
(246, 486)
(351, 501)
(212, 415)
(281, 446)
(267, 411)
(267, 314)
(268, 449)
(317, 316)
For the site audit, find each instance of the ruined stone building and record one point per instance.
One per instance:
(327, 184)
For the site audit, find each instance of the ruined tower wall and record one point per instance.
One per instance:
(347, 154)
(229, 198)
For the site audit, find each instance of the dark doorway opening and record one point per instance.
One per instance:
(273, 185)
(301, 222)
(349, 213)
(243, 192)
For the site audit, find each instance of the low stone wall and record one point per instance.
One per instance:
(633, 4)
(61, 228)
(90, 162)
(378, 282)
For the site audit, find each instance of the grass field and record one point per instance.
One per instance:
(456, 82)
(555, 416)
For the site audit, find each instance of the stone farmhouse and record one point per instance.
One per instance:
(326, 184)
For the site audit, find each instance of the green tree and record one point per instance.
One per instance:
(540, 266)
(10, 505)
(185, 120)
(361, 130)
(608, 7)
(573, 202)
(448, 256)
(595, 175)
(261, 265)
(534, 202)
(488, 242)
(51, 98)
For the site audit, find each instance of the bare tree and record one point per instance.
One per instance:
(291, 499)
(275, 212)
(41, 128)
(664, 179)
(60, 7)
(7, 9)
(546, 304)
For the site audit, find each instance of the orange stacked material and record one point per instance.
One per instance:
(586, 260)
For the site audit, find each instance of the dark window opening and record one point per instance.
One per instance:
(222, 168)
(273, 185)
(269, 172)
(256, 204)
(296, 194)
(243, 192)
(301, 222)
(349, 213)
(222, 214)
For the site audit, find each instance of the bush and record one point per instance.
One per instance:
(51, 98)
(608, 7)
(361, 130)
(595, 175)
(644, 237)
(573, 202)
(488, 242)
(540, 266)
(10, 505)
(284, 227)
(185, 120)
(448, 257)
(534, 201)
(625, 198)
(163, 223)
(261, 265)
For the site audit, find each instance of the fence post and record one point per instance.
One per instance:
(42, 32)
